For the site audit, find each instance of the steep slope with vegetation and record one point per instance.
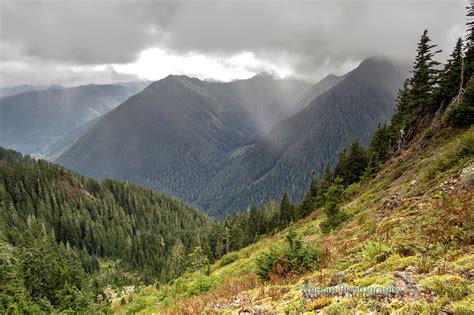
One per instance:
(394, 220)
(64, 236)
(410, 227)
(70, 243)
(398, 215)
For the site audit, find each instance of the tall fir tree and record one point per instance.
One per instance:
(351, 164)
(450, 77)
(313, 186)
(343, 164)
(324, 185)
(404, 111)
(286, 211)
(309, 201)
(469, 59)
(462, 114)
(425, 75)
(417, 94)
(380, 144)
(177, 259)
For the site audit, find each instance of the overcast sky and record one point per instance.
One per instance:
(77, 42)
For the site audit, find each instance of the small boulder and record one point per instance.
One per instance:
(337, 278)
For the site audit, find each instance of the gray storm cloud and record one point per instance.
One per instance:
(312, 37)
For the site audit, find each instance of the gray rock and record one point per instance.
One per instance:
(337, 278)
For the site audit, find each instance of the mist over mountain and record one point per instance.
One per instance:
(17, 89)
(268, 100)
(307, 141)
(214, 145)
(177, 134)
(34, 119)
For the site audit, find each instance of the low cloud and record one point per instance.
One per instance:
(300, 38)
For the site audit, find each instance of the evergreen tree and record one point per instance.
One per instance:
(450, 77)
(309, 201)
(237, 237)
(343, 165)
(372, 168)
(357, 163)
(334, 217)
(417, 94)
(313, 186)
(351, 164)
(198, 261)
(469, 58)
(425, 75)
(379, 147)
(323, 186)
(462, 114)
(404, 111)
(286, 211)
(253, 223)
(177, 259)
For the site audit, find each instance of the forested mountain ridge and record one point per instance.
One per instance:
(204, 142)
(307, 141)
(62, 220)
(176, 134)
(68, 241)
(32, 120)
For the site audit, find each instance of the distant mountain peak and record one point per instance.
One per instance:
(376, 61)
(330, 77)
(265, 75)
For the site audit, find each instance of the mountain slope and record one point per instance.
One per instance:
(319, 88)
(31, 120)
(268, 100)
(108, 220)
(410, 227)
(306, 141)
(175, 136)
(210, 143)
(53, 150)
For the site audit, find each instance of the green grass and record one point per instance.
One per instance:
(367, 248)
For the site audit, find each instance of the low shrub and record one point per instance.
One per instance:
(452, 287)
(374, 251)
(333, 221)
(294, 258)
(229, 258)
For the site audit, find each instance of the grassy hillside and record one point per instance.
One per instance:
(410, 227)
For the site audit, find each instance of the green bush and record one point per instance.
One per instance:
(200, 284)
(294, 258)
(229, 258)
(351, 190)
(333, 221)
(374, 251)
(453, 287)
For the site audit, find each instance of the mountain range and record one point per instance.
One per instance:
(32, 120)
(225, 146)
(310, 140)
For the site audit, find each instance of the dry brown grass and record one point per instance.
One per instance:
(211, 302)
